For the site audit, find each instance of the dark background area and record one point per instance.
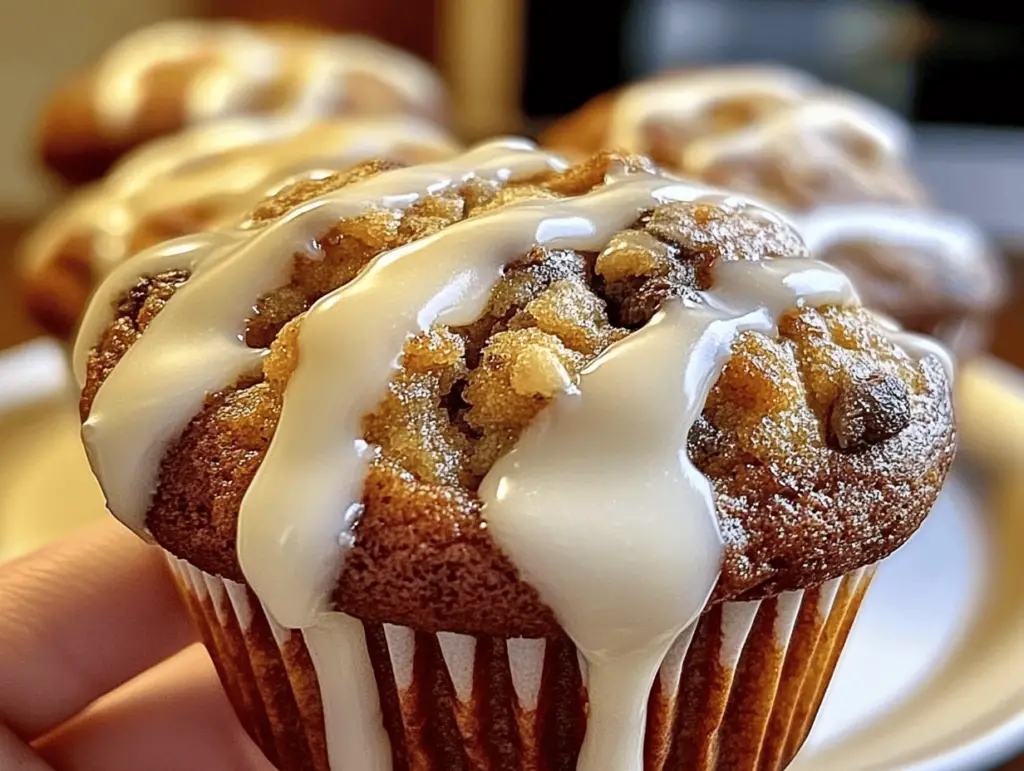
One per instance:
(935, 61)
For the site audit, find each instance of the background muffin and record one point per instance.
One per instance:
(472, 528)
(189, 181)
(176, 74)
(782, 136)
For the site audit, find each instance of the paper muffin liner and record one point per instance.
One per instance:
(739, 691)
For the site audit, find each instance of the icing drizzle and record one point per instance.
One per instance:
(626, 561)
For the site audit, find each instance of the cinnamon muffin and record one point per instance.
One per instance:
(189, 181)
(497, 463)
(782, 136)
(181, 73)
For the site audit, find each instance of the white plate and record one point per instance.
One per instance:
(932, 678)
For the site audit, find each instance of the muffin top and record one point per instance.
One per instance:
(383, 375)
(181, 73)
(188, 181)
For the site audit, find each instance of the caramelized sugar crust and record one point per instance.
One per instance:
(826, 446)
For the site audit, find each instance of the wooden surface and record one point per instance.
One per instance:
(16, 328)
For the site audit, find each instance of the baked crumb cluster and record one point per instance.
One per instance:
(830, 386)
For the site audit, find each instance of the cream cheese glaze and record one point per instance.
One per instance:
(236, 60)
(624, 579)
(193, 346)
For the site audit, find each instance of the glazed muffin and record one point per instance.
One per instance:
(190, 181)
(784, 137)
(500, 463)
(176, 74)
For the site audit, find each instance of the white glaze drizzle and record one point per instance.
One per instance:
(797, 116)
(238, 60)
(627, 560)
(229, 165)
(194, 346)
(443, 279)
(356, 738)
(572, 529)
(938, 242)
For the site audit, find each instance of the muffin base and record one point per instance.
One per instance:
(738, 692)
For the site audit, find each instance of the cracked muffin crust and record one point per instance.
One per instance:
(825, 446)
(184, 183)
(182, 73)
(818, 153)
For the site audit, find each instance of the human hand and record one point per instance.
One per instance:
(99, 670)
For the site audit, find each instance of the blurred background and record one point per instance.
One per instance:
(951, 67)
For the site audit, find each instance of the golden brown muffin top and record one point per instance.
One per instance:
(824, 444)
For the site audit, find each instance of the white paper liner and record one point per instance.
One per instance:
(739, 691)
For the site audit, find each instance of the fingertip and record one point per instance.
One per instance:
(172, 717)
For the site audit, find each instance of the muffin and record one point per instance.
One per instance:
(782, 136)
(500, 463)
(190, 181)
(182, 73)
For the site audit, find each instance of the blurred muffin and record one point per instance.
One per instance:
(784, 137)
(498, 464)
(933, 271)
(189, 181)
(176, 74)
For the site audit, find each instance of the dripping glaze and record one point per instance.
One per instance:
(624, 608)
